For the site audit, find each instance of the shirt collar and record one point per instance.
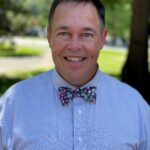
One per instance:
(60, 82)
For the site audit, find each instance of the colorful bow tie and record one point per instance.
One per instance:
(67, 94)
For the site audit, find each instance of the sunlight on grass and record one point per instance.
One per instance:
(20, 50)
(28, 51)
(112, 61)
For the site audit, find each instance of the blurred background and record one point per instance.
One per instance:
(24, 50)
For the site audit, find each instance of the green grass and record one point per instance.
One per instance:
(112, 61)
(18, 50)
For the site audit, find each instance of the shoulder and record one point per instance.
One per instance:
(123, 98)
(114, 84)
(30, 85)
(121, 92)
(126, 104)
(37, 80)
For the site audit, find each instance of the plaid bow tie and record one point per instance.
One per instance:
(67, 94)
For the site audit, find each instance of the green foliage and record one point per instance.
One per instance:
(18, 15)
(19, 22)
(112, 3)
(8, 6)
(118, 20)
(118, 17)
(39, 9)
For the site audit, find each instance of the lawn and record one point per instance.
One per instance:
(18, 50)
(112, 61)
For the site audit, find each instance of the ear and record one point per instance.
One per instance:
(103, 37)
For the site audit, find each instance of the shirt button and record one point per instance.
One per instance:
(79, 112)
(80, 139)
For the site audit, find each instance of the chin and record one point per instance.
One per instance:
(75, 80)
(76, 84)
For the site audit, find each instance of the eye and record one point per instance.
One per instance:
(87, 34)
(63, 33)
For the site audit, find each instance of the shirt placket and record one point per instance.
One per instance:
(78, 125)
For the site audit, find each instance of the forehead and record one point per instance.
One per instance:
(74, 5)
(75, 12)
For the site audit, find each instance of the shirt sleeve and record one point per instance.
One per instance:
(4, 124)
(145, 119)
(1, 123)
(147, 127)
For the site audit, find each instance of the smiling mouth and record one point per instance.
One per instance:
(75, 59)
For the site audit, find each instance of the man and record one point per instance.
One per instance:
(74, 106)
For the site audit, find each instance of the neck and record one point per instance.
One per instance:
(81, 83)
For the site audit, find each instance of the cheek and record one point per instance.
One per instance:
(56, 52)
(56, 43)
(57, 48)
(93, 51)
(95, 55)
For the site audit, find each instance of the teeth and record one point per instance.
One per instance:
(74, 59)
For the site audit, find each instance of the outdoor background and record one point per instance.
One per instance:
(24, 50)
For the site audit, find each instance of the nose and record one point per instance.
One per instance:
(74, 43)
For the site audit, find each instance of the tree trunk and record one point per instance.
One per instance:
(135, 71)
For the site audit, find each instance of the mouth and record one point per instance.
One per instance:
(74, 59)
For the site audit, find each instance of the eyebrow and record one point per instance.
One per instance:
(89, 29)
(62, 28)
(83, 28)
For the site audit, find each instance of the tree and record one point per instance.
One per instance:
(135, 71)
(4, 21)
(12, 15)
(118, 19)
(118, 14)
(39, 9)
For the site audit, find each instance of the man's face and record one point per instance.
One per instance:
(75, 38)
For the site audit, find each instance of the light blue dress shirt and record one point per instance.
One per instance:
(33, 118)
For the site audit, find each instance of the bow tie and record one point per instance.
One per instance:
(67, 94)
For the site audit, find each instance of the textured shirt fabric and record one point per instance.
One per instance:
(33, 118)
